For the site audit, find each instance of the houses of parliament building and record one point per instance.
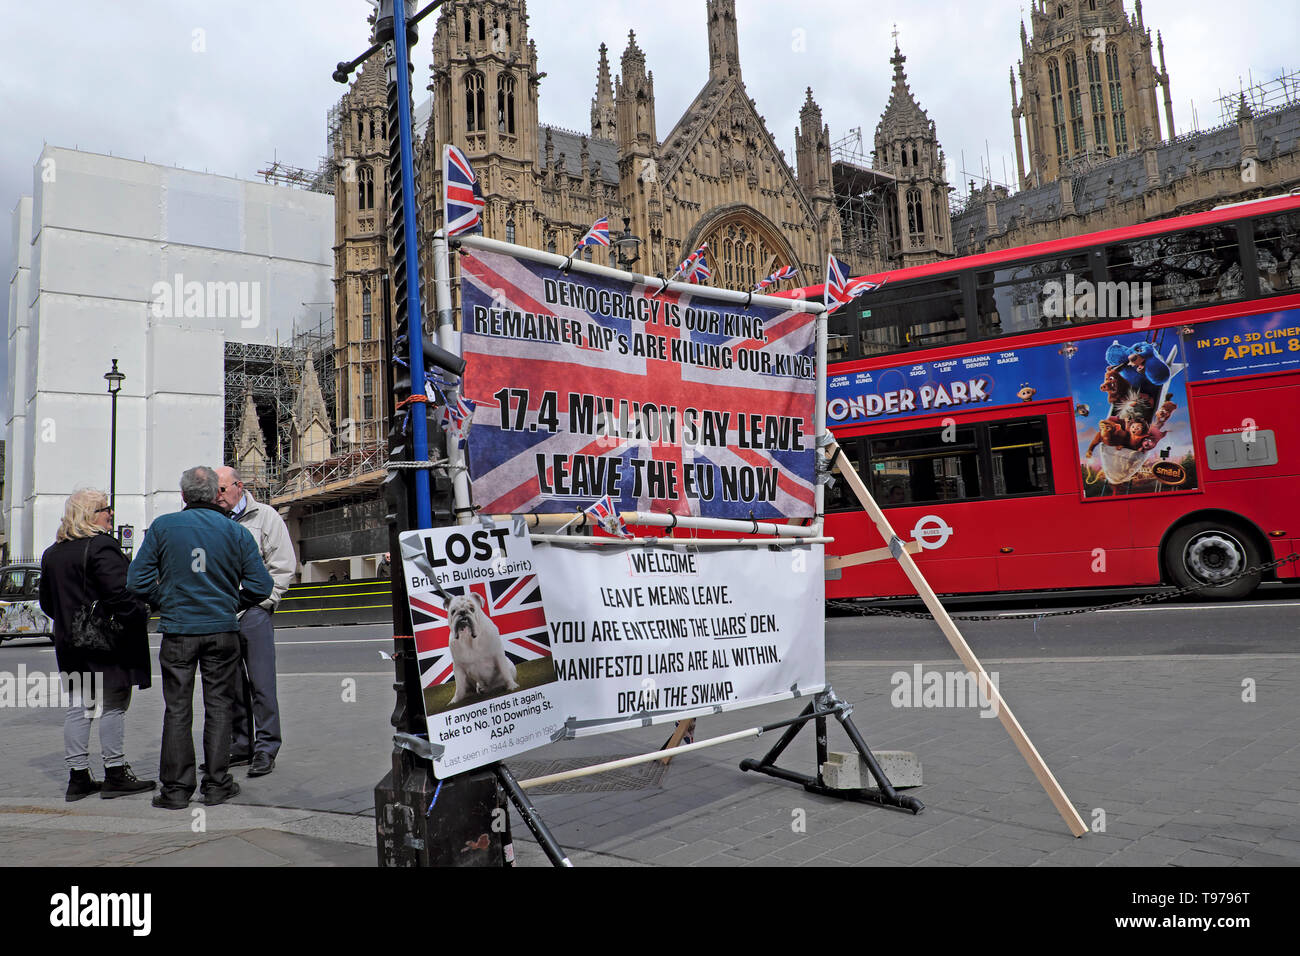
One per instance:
(1093, 151)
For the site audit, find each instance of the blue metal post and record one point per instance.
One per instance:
(415, 314)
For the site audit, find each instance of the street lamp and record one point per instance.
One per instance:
(115, 379)
(627, 246)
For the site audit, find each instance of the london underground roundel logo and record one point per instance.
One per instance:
(931, 532)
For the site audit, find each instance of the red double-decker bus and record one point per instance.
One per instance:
(1119, 408)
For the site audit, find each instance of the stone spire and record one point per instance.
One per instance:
(310, 438)
(812, 149)
(902, 112)
(724, 42)
(604, 122)
(250, 447)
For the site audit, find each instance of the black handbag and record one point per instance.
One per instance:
(91, 630)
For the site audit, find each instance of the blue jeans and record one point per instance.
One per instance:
(216, 656)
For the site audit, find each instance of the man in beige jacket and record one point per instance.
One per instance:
(256, 630)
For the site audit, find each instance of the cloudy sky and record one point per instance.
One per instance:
(228, 85)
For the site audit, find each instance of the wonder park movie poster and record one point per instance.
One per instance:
(1130, 403)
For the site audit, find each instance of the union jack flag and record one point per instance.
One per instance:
(597, 235)
(840, 289)
(513, 604)
(608, 519)
(462, 199)
(687, 266)
(780, 275)
(588, 382)
(700, 271)
(456, 419)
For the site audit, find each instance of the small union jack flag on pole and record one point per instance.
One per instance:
(456, 419)
(608, 519)
(700, 271)
(780, 275)
(840, 289)
(462, 200)
(688, 265)
(597, 235)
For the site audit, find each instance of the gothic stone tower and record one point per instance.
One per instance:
(638, 147)
(918, 228)
(485, 88)
(360, 145)
(1088, 87)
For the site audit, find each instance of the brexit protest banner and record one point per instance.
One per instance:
(651, 634)
(481, 638)
(590, 385)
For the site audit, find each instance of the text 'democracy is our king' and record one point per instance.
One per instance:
(587, 386)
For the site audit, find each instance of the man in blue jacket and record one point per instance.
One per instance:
(199, 569)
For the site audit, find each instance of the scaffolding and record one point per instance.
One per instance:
(320, 179)
(1278, 93)
(859, 195)
(272, 374)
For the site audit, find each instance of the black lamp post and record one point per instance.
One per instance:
(115, 379)
(626, 246)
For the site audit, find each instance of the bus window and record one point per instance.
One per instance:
(1027, 296)
(1277, 252)
(1182, 269)
(921, 468)
(840, 328)
(1019, 456)
(878, 331)
(913, 316)
(838, 496)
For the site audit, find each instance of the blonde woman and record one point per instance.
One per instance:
(86, 564)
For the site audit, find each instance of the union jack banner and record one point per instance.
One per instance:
(780, 275)
(593, 386)
(462, 200)
(597, 235)
(608, 519)
(840, 289)
(513, 604)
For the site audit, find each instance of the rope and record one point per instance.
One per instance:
(416, 465)
(411, 400)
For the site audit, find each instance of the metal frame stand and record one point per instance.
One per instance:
(554, 852)
(885, 795)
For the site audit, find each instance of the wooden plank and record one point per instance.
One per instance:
(1018, 736)
(680, 732)
(867, 557)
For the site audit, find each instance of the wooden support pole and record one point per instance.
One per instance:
(834, 562)
(1018, 736)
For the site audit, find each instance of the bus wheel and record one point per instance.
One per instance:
(1209, 553)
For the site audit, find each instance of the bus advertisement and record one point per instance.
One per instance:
(1113, 409)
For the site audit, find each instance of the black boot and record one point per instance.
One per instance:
(80, 784)
(120, 781)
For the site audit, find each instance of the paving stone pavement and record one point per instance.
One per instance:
(1160, 755)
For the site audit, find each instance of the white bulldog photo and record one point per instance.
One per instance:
(479, 661)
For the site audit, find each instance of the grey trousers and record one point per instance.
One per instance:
(112, 727)
(256, 680)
